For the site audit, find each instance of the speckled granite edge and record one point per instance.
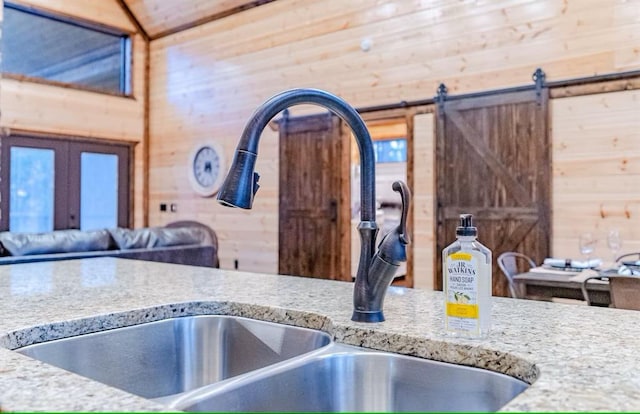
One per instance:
(463, 354)
(65, 329)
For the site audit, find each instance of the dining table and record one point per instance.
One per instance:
(544, 283)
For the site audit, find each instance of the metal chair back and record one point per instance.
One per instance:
(629, 256)
(624, 291)
(512, 263)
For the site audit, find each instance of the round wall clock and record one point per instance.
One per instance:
(206, 169)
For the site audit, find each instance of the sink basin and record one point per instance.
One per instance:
(172, 356)
(345, 378)
(226, 363)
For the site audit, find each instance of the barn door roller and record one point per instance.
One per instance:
(539, 78)
(441, 96)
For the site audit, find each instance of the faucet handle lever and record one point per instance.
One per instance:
(256, 178)
(405, 195)
(393, 246)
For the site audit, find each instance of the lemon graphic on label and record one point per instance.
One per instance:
(461, 297)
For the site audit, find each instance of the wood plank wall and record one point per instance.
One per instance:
(596, 170)
(206, 82)
(42, 108)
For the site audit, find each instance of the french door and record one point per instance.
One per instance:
(51, 184)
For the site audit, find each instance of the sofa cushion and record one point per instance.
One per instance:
(127, 239)
(59, 241)
(133, 239)
(179, 236)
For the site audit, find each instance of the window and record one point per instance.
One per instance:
(31, 189)
(57, 184)
(39, 45)
(390, 150)
(98, 190)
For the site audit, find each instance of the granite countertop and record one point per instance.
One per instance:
(577, 358)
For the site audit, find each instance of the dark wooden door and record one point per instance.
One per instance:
(493, 160)
(314, 198)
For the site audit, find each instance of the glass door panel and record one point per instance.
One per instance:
(98, 191)
(31, 189)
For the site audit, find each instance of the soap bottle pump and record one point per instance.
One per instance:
(466, 272)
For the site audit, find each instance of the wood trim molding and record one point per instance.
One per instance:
(133, 19)
(11, 132)
(146, 115)
(411, 178)
(595, 88)
(146, 137)
(41, 81)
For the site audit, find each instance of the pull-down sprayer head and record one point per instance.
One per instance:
(242, 182)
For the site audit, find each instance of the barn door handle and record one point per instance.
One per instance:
(333, 210)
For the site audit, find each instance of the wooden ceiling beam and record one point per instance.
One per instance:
(208, 19)
(134, 20)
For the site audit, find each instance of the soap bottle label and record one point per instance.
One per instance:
(462, 314)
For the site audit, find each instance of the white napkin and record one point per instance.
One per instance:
(628, 271)
(578, 264)
(551, 271)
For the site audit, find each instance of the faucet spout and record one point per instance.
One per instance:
(241, 183)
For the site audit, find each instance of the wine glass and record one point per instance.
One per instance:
(614, 241)
(587, 244)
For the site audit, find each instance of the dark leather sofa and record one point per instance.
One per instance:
(183, 242)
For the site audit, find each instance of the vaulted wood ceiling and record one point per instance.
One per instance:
(160, 18)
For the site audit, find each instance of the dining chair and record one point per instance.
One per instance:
(630, 256)
(512, 263)
(624, 291)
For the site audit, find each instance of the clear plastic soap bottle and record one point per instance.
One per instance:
(466, 273)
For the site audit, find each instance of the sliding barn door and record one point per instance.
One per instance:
(314, 198)
(493, 161)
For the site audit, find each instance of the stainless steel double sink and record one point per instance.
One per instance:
(226, 363)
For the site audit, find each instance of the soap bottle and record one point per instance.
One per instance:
(466, 272)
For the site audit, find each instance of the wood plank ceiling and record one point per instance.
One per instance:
(160, 18)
